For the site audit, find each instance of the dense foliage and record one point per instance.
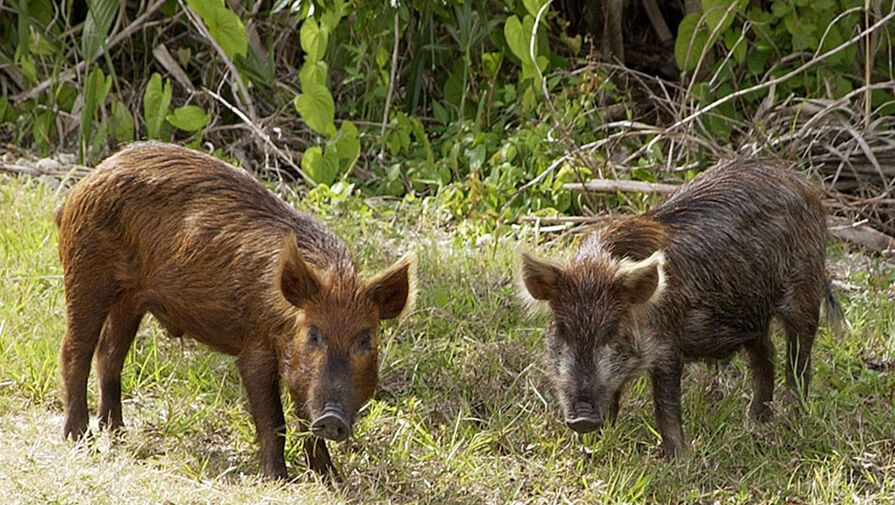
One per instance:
(464, 100)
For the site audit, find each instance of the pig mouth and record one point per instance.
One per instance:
(581, 424)
(333, 424)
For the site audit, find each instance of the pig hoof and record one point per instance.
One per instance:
(761, 413)
(75, 430)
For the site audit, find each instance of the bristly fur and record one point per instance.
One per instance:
(213, 254)
(700, 276)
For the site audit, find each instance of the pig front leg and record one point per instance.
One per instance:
(260, 377)
(666, 380)
(318, 456)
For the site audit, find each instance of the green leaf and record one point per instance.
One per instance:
(533, 6)
(122, 122)
(491, 62)
(716, 14)
(346, 146)
(100, 14)
(313, 73)
(315, 106)
(321, 168)
(66, 96)
(734, 43)
(516, 40)
(224, 26)
(692, 38)
(156, 100)
(518, 37)
(188, 118)
(95, 90)
(313, 40)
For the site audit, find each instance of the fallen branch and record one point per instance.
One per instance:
(612, 186)
(560, 219)
(861, 235)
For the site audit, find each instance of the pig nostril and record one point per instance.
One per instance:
(332, 424)
(583, 408)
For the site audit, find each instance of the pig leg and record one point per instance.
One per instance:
(800, 314)
(86, 309)
(667, 399)
(114, 342)
(613, 406)
(800, 333)
(260, 377)
(761, 360)
(318, 456)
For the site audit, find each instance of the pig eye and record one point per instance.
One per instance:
(364, 341)
(562, 329)
(315, 338)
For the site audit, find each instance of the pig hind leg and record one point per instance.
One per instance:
(800, 314)
(86, 308)
(114, 343)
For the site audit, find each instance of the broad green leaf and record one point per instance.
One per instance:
(95, 90)
(313, 40)
(734, 43)
(100, 14)
(321, 168)
(224, 26)
(156, 100)
(533, 6)
(315, 106)
(122, 122)
(691, 41)
(188, 118)
(346, 146)
(516, 39)
(716, 13)
(313, 73)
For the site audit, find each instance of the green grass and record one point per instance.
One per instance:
(464, 413)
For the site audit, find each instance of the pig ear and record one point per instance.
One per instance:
(642, 281)
(297, 280)
(540, 278)
(394, 289)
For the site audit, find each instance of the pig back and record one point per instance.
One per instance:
(739, 236)
(193, 240)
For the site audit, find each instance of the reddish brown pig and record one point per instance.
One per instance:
(212, 254)
(698, 277)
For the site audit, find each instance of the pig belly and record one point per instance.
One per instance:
(706, 337)
(209, 324)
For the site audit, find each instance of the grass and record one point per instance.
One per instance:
(464, 413)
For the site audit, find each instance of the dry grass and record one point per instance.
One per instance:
(464, 413)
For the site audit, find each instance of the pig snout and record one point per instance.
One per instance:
(583, 418)
(332, 423)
